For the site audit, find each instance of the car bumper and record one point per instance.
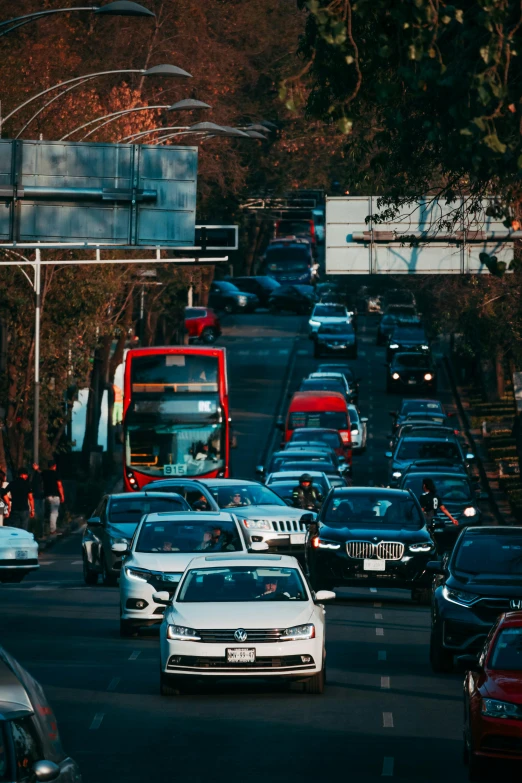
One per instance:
(11, 564)
(335, 567)
(462, 630)
(133, 591)
(285, 659)
(403, 387)
(497, 738)
(337, 350)
(278, 543)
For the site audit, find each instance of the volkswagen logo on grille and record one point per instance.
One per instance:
(240, 635)
(516, 603)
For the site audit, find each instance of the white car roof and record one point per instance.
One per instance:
(191, 516)
(235, 558)
(328, 375)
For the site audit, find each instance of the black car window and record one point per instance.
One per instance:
(195, 312)
(329, 311)
(490, 554)
(27, 746)
(507, 654)
(318, 385)
(420, 406)
(422, 449)
(185, 536)
(332, 439)
(226, 287)
(124, 511)
(373, 510)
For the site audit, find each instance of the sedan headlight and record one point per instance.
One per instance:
(298, 632)
(501, 709)
(322, 544)
(396, 376)
(355, 432)
(425, 347)
(423, 546)
(459, 597)
(428, 376)
(470, 511)
(181, 634)
(314, 323)
(138, 573)
(396, 474)
(394, 346)
(242, 300)
(257, 524)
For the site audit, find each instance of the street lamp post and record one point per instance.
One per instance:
(117, 8)
(198, 128)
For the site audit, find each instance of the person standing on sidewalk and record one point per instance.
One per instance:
(3, 504)
(53, 494)
(39, 505)
(19, 497)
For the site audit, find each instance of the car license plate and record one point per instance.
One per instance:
(412, 381)
(21, 554)
(241, 655)
(297, 538)
(374, 565)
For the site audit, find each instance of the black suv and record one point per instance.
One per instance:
(262, 286)
(481, 580)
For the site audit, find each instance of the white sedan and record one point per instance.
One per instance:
(18, 554)
(359, 427)
(162, 547)
(328, 314)
(243, 616)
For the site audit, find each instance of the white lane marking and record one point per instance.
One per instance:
(379, 632)
(97, 721)
(378, 615)
(134, 655)
(42, 587)
(387, 767)
(373, 589)
(47, 562)
(381, 655)
(387, 720)
(113, 684)
(385, 682)
(302, 352)
(77, 562)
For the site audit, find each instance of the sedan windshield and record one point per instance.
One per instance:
(124, 511)
(423, 449)
(330, 438)
(241, 495)
(507, 654)
(448, 488)
(490, 554)
(238, 584)
(420, 406)
(369, 510)
(329, 311)
(285, 488)
(287, 265)
(317, 385)
(416, 360)
(173, 535)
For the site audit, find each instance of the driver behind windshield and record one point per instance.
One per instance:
(236, 499)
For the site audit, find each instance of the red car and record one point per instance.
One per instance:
(202, 324)
(493, 698)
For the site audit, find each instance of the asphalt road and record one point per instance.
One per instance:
(383, 714)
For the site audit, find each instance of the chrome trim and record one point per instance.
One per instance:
(366, 550)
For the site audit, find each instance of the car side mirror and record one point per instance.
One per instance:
(364, 419)
(260, 470)
(435, 567)
(120, 548)
(94, 522)
(45, 770)
(258, 546)
(469, 662)
(388, 454)
(307, 519)
(324, 595)
(161, 598)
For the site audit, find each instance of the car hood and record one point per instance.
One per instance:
(248, 614)
(269, 512)
(164, 561)
(490, 585)
(14, 535)
(504, 686)
(372, 532)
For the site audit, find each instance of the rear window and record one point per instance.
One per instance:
(184, 536)
(418, 449)
(124, 511)
(314, 385)
(334, 420)
(330, 311)
(287, 265)
(332, 439)
(195, 312)
(420, 406)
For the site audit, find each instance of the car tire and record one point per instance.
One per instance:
(90, 577)
(209, 335)
(108, 578)
(316, 683)
(127, 629)
(441, 660)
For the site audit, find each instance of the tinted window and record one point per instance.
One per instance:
(242, 583)
(412, 406)
(310, 463)
(183, 536)
(336, 329)
(125, 511)
(241, 495)
(418, 449)
(316, 385)
(226, 287)
(288, 253)
(507, 654)
(195, 312)
(330, 438)
(284, 488)
(179, 372)
(287, 265)
(411, 360)
(329, 311)
(333, 420)
(377, 510)
(286, 227)
(289, 462)
(490, 554)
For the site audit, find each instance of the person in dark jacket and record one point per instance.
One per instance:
(19, 497)
(305, 495)
(431, 503)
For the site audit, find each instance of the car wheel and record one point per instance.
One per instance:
(127, 629)
(421, 595)
(90, 577)
(108, 578)
(441, 660)
(315, 684)
(209, 335)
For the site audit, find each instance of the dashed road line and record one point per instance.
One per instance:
(387, 720)
(77, 562)
(381, 655)
(373, 589)
(387, 767)
(378, 615)
(385, 682)
(379, 632)
(134, 655)
(97, 721)
(113, 684)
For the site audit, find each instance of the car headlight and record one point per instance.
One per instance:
(322, 544)
(459, 596)
(257, 524)
(314, 323)
(181, 634)
(425, 347)
(470, 511)
(428, 376)
(423, 546)
(501, 709)
(298, 632)
(396, 474)
(394, 346)
(396, 376)
(242, 300)
(138, 573)
(355, 432)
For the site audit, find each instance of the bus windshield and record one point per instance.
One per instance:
(174, 372)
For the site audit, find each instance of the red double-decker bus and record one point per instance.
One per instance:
(175, 414)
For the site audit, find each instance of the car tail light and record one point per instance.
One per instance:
(345, 435)
(132, 480)
(315, 542)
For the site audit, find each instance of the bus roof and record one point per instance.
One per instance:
(188, 349)
(317, 401)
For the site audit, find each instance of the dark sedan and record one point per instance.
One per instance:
(366, 536)
(412, 448)
(390, 320)
(407, 338)
(349, 374)
(425, 408)
(261, 286)
(409, 372)
(228, 297)
(114, 522)
(336, 339)
(296, 298)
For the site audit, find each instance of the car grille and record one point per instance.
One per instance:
(26, 562)
(489, 609)
(226, 636)
(289, 526)
(501, 743)
(386, 550)
(193, 662)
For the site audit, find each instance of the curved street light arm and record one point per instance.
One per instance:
(55, 98)
(152, 130)
(132, 9)
(109, 118)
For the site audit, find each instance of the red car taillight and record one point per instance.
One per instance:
(346, 436)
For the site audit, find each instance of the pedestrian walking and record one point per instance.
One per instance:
(3, 504)
(19, 497)
(39, 504)
(53, 494)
